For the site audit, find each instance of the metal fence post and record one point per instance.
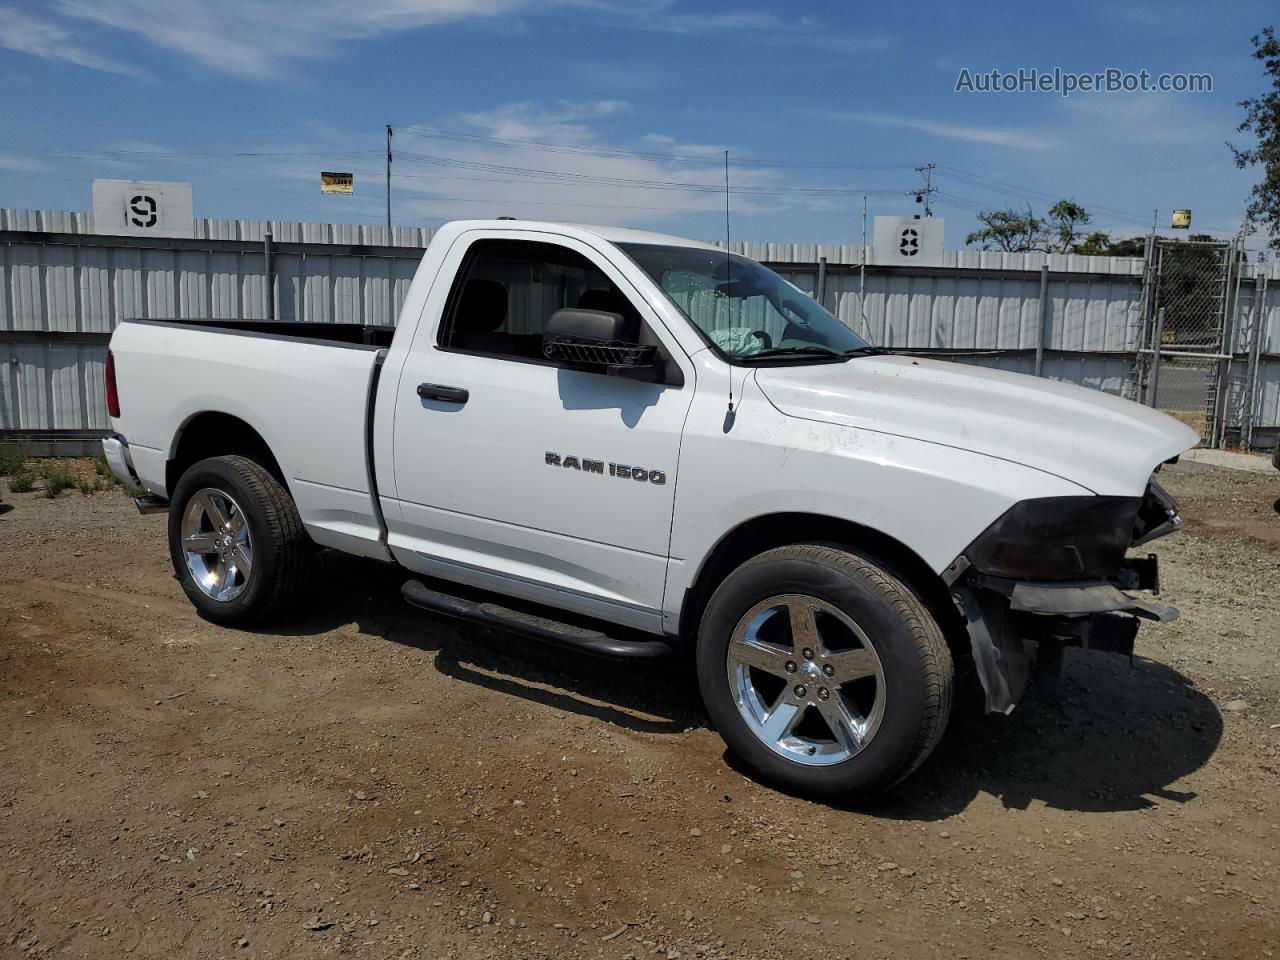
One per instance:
(1142, 365)
(822, 281)
(1227, 344)
(1153, 382)
(1044, 302)
(1254, 348)
(270, 275)
(862, 277)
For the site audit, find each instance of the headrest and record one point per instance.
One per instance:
(483, 306)
(610, 301)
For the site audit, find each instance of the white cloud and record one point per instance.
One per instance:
(253, 38)
(582, 175)
(731, 20)
(992, 136)
(1147, 118)
(529, 121)
(803, 29)
(662, 143)
(42, 38)
(16, 163)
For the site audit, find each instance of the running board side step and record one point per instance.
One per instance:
(571, 636)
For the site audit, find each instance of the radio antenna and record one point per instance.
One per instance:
(726, 206)
(728, 276)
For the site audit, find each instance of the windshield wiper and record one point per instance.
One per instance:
(781, 353)
(867, 351)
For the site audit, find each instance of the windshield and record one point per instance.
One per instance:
(745, 311)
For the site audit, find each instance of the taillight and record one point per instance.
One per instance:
(113, 395)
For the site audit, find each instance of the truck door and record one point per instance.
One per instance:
(524, 476)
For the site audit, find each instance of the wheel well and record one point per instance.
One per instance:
(217, 435)
(782, 529)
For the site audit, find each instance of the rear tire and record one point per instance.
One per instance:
(823, 671)
(236, 541)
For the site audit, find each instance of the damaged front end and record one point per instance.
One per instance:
(1051, 573)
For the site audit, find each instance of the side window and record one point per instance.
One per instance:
(508, 289)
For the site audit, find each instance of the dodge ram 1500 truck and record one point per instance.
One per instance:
(628, 444)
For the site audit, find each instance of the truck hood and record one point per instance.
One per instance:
(1107, 445)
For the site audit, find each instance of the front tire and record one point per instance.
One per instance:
(823, 671)
(236, 541)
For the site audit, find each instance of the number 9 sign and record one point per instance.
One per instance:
(143, 211)
(142, 208)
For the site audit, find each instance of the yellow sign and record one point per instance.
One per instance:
(1182, 219)
(343, 183)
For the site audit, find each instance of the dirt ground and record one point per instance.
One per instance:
(370, 782)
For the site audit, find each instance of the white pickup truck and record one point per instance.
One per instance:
(632, 444)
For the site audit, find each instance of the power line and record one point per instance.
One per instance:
(516, 174)
(708, 160)
(535, 174)
(963, 203)
(181, 154)
(994, 185)
(299, 188)
(504, 202)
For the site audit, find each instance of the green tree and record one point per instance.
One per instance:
(1009, 230)
(1262, 119)
(1104, 244)
(1127, 247)
(1017, 231)
(1066, 217)
(1099, 244)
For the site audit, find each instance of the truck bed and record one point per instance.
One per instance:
(306, 389)
(355, 334)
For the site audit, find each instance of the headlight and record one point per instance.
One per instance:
(1057, 538)
(1157, 516)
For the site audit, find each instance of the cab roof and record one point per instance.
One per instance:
(611, 234)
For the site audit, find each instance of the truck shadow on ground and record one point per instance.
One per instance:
(645, 696)
(1107, 737)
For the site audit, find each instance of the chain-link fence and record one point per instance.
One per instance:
(1190, 286)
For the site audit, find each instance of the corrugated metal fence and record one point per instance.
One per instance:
(65, 288)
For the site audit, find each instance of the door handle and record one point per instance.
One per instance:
(437, 391)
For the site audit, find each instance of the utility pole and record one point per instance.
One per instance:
(924, 194)
(862, 269)
(389, 184)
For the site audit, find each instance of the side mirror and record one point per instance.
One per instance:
(595, 339)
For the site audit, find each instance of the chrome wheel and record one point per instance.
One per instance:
(806, 679)
(217, 545)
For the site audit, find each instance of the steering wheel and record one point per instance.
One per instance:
(766, 341)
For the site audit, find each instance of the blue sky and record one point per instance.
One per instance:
(609, 111)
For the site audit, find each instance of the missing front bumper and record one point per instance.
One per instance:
(1010, 623)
